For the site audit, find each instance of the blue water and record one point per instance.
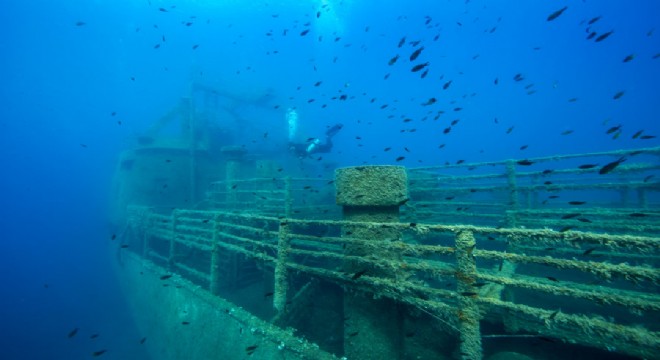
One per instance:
(62, 81)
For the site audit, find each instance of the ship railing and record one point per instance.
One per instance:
(458, 274)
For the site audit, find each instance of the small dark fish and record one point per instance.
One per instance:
(547, 171)
(124, 246)
(618, 95)
(571, 215)
(304, 32)
(556, 14)
(400, 158)
(611, 166)
(94, 336)
(524, 147)
(613, 129)
(638, 214)
(553, 196)
(446, 85)
(577, 202)
(524, 162)
(629, 58)
(268, 294)
(584, 220)
(185, 323)
(80, 23)
(553, 315)
(393, 60)
(162, 9)
(114, 236)
(604, 36)
(195, 46)
(587, 166)
(419, 67)
(165, 277)
(647, 137)
(99, 353)
(430, 101)
(518, 77)
(589, 251)
(509, 130)
(566, 132)
(469, 293)
(251, 348)
(358, 274)
(593, 20)
(402, 41)
(566, 228)
(637, 134)
(552, 278)
(143, 340)
(416, 53)
(646, 179)
(479, 284)
(72, 333)
(353, 334)
(591, 35)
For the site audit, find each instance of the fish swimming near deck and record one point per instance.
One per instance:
(416, 53)
(358, 274)
(419, 67)
(587, 166)
(589, 251)
(611, 166)
(556, 14)
(604, 36)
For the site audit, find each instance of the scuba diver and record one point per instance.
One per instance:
(312, 145)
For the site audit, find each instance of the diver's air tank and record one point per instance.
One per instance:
(292, 120)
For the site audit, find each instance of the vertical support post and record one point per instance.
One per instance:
(534, 203)
(514, 204)
(507, 268)
(234, 155)
(192, 147)
(172, 239)
(641, 198)
(288, 197)
(214, 285)
(281, 281)
(468, 309)
(145, 233)
(625, 196)
(371, 194)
